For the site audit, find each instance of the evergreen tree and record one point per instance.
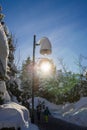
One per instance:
(26, 77)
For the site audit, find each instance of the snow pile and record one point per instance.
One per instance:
(81, 103)
(3, 92)
(78, 115)
(14, 115)
(75, 113)
(33, 127)
(47, 103)
(4, 51)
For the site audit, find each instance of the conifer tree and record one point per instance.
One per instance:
(26, 77)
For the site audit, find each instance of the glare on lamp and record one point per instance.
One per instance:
(45, 65)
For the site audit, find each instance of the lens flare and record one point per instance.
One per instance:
(45, 67)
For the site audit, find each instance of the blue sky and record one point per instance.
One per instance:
(64, 22)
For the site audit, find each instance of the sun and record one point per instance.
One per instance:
(45, 67)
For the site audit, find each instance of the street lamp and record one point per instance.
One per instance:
(45, 49)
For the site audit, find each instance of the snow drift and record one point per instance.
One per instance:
(14, 115)
(75, 113)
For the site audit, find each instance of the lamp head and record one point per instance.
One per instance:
(45, 46)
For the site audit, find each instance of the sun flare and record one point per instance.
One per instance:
(45, 67)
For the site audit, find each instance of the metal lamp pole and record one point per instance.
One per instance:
(33, 80)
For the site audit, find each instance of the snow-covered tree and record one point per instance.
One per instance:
(26, 77)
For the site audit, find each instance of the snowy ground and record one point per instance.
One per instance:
(72, 112)
(12, 114)
(15, 115)
(75, 112)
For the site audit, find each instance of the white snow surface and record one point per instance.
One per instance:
(3, 92)
(47, 103)
(15, 115)
(4, 48)
(75, 113)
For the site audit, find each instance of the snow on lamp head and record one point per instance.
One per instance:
(45, 46)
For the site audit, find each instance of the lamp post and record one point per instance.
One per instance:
(45, 49)
(34, 46)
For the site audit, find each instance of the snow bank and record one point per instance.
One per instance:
(75, 113)
(3, 92)
(4, 49)
(33, 127)
(47, 103)
(14, 115)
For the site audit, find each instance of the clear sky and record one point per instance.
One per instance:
(64, 22)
